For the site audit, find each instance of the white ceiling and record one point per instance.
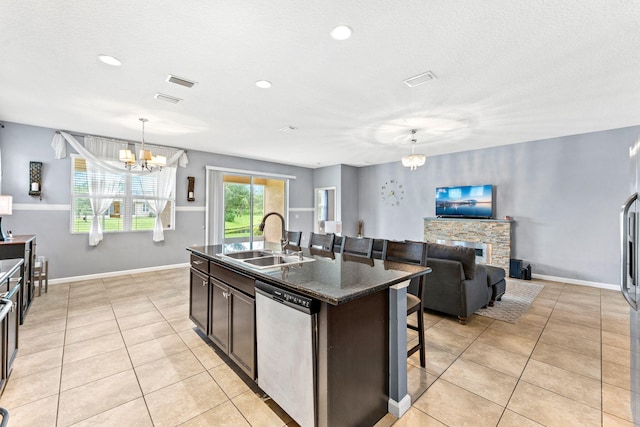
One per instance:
(507, 72)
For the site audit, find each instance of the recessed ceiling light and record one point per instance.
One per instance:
(263, 84)
(341, 32)
(110, 60)
(287, 129)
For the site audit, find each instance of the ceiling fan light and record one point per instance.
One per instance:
(413, 161)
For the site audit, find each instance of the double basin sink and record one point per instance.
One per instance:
(266, 259)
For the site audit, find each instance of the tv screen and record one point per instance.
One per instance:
(467, 201)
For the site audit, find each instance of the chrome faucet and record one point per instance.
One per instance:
(284, 241)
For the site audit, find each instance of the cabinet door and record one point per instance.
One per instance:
(242, 343)
(219, 330)
(199, 300)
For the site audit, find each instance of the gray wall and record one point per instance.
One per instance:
(69, 254)
(350, 203)
(565, 195)
(345, 179)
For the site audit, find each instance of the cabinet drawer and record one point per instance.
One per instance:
(239, 281)
(200, 263)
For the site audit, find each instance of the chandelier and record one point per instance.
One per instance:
(148, 161)
(412, 161)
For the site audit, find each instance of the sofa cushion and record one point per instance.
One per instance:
(466, 256)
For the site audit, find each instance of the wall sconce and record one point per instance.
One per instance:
(191, 183)
(35, 179)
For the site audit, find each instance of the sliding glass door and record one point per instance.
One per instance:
(243, 208)
(237, 203)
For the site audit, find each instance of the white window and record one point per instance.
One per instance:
(129, 210)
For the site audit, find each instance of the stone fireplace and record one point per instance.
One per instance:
(483, 250)
(491, 238)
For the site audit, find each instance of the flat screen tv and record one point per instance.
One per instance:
(466, 201)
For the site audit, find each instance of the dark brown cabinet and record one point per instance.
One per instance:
(23, 247)
(199, 300)
(233, 320)
(9, 324)
(242, 348)
(220, 314)
(222, 304)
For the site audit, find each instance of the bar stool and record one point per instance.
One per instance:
(322, 241)
(293, 240)
(360, 246)
(41, 273)
(411, 253)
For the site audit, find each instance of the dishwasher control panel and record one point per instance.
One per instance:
(296, 300)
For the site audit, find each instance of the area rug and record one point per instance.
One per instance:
(515, 301)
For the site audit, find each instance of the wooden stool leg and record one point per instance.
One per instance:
(36, 276)
(46, 276)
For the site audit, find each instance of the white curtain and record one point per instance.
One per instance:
(95, 150)
(60, 140)
(215, 207)
(164, 185)
(104, 185)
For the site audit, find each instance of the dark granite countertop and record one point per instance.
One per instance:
(332, 278)
(8, 267)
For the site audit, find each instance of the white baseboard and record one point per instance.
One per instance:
(577, 282)
(116, 273)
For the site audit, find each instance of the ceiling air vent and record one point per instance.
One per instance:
(180, 81)
(420, 79)
(167, 98)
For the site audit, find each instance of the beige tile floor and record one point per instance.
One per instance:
(122, 352)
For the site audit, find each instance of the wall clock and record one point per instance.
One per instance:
(392, 193)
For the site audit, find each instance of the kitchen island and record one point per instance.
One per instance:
(358, 312)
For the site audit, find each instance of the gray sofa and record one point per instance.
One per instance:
(457, 285)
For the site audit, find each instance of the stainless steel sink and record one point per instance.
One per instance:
(248, 254)
(265, 259)
(270, 261)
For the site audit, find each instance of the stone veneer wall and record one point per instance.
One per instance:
(494, 231)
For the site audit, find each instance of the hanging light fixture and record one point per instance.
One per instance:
(412, 161)
(147, 160)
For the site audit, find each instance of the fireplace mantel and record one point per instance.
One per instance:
(496, 232)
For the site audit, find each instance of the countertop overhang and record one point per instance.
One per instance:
(8, 267)
(333, 277)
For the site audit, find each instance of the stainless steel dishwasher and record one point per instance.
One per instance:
(286, 343)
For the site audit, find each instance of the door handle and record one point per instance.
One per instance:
(624, 250)
(204, 283)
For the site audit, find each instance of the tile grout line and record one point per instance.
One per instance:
(529, 359)
(126, 347)
(64, 340)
